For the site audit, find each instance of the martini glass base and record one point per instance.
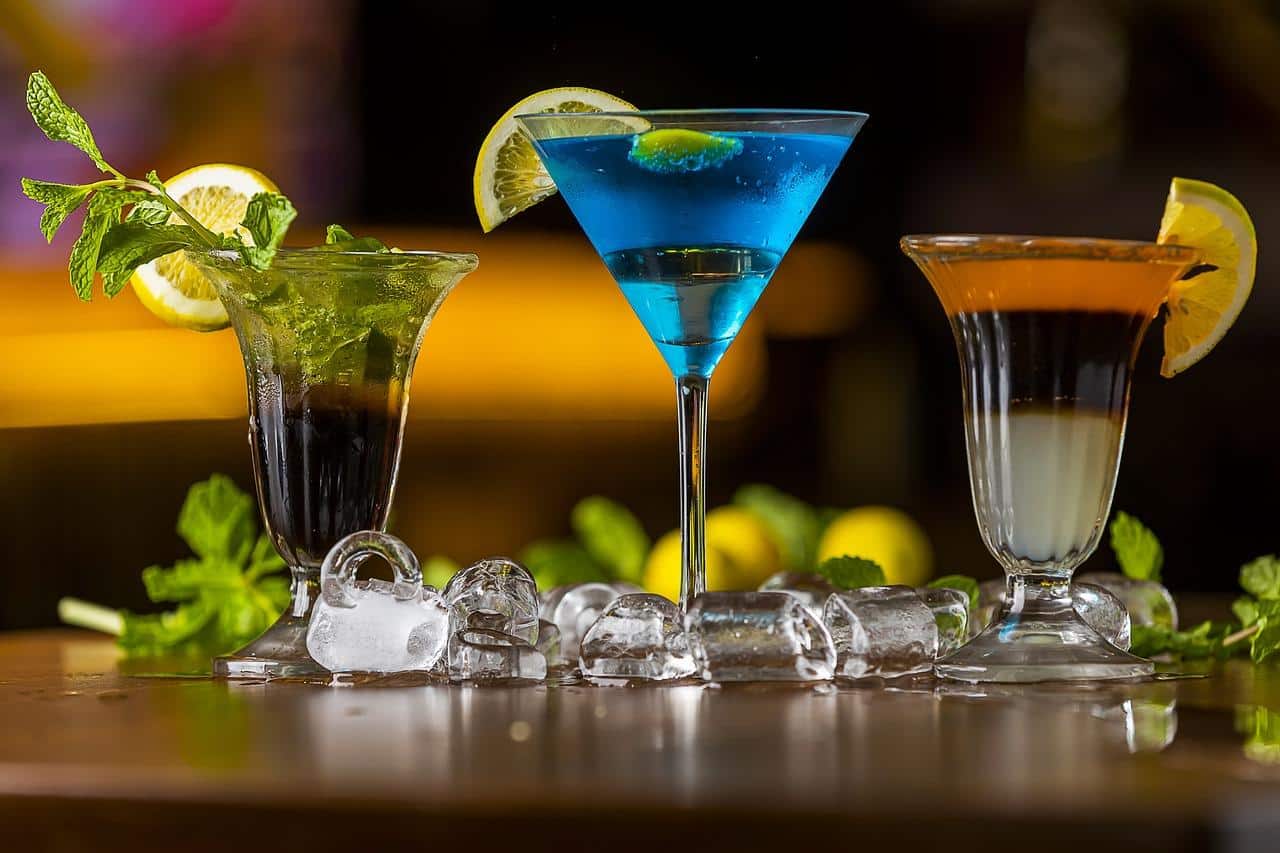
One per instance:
(1056, 646)
(281, 652)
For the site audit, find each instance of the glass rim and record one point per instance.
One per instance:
(314, 258)
(761, 113)
(1027, 246)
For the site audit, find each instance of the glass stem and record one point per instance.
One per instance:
(1039, 597)
(691, 398)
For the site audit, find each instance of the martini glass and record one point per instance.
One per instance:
(329, 341)
(692, 211)
(1047, 330)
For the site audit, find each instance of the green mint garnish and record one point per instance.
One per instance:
(556, 562)
(675, 151)
(964, 583)
(612, 535)
(852, 572)
(1261, 577)
(1136, 548)
(227, 595)
(339, 239)
(125, 221)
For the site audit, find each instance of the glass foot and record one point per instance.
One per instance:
(1027, 644)
(282, 650)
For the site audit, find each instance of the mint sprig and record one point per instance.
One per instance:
(1137, 549)
(130, 222)
(963, 583)
(852, 572)
(226, 595)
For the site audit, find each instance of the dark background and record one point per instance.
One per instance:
(1027, 117)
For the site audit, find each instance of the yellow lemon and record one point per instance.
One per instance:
(884, 534)
(740, 554)
(662, 569)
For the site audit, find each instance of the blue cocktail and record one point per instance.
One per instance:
(692, 211)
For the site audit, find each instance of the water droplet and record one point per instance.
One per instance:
(519, 731)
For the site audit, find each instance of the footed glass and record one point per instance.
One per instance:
(329, 340)
(692, 211)
(1047, 330)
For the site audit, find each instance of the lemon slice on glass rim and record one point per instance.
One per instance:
(509, 177)
(171, 287)
(1202, 308)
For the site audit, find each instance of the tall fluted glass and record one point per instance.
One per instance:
(1047, 331)
(329, 341)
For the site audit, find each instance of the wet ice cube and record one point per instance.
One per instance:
(575, 607)
(757, 636)
(482, 654)
(1100, 608)
(378, 632)
(884, 631)
(811, 589)
(496, 594)
(1148, 602)
(549, 642)
(950, 609)
(637, 636)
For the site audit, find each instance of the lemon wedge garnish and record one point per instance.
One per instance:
(172, 287)
(509, 177)
(1203, 307)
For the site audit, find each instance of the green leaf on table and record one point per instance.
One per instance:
(1136, 548)
(1201, 642)
(852, 572)
(964, 583)
(1261, 577)
(612, 536)
(1245, 609)
(437, 570)
(218, 521)
(267, 219)
(60, 201)
(556, 562)
(60, 122)
(793, 525)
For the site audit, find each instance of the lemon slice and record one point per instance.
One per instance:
(171, 287)
(1202, 308)
(509, 177)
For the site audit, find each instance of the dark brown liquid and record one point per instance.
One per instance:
(326, 459)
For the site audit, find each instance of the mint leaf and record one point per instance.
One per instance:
(1198, 643)
(437, 570)
(84, 254)
(151, 212)
(612, 535)
(1265, 643)
(267, 219)
(1261, 577)
(793, 525)
(1136, 548)
(217, 521)
(60, 201)
(60, 122)
(263, 559)
(113, 200)
(964, 583)
(554, 563)
(852, 572)
(130, 244)
(1245, 609)
(339, 239)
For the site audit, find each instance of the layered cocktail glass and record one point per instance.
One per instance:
(692, 211)
(329, 341)
(1047, 331)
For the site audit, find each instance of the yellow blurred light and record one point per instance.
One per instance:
(538, 332)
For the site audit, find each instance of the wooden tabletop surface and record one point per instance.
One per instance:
(94, 760)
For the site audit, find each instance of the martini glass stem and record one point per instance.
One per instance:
(691, 399)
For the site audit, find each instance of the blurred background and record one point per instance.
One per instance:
(536, 386)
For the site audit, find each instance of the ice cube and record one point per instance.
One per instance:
(1098, 606)
(373, 625)
(482, 654)
(757, 636)
(637, 636)
(1148, 603)
(575, 607)
(811, 589)
(496, 594)
(884, 631)
(950, 609)
(549, 642)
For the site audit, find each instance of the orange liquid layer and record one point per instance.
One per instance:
(974, 284)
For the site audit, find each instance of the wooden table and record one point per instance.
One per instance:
(92, 760)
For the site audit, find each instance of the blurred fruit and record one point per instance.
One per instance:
(886, 535)
(740, 554)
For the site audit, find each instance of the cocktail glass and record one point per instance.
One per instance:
(1047, 330)
(691, 211)
(329, 341)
